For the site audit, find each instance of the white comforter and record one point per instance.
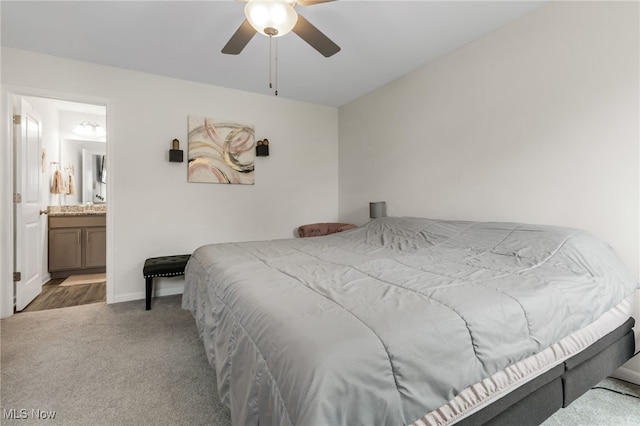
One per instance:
(384, 323)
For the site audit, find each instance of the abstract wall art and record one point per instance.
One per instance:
(220, 151)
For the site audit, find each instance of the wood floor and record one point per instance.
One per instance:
(55, 296)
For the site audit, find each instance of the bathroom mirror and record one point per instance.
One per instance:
(94, 177)
(72, 160)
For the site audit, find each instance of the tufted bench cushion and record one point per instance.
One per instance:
(318, 229)
(164, 266)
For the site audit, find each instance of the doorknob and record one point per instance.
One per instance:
(44, 211)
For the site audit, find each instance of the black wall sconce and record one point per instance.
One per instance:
(175, 153)
(262, 148)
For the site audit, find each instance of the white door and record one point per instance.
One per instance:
(28, 231)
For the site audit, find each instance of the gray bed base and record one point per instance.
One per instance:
(534, 402)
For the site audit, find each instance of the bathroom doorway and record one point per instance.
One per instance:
(72, 138)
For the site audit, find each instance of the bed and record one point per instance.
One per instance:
(411, 321)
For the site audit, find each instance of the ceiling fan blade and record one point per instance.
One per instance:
(312, 2)
(239, 39)
(315, 37)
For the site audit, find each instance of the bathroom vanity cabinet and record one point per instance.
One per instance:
(77, 244)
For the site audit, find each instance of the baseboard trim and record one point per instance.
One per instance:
(627, 374)
(128, 297)
(168, 291)
(157, 292)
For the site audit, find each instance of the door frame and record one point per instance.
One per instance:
(7, 220)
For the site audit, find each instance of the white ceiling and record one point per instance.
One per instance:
(380, 40)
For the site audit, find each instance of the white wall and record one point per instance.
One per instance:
(152, 210)
(537, 122)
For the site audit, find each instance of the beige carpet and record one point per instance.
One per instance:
(108, 365)
(84, 279)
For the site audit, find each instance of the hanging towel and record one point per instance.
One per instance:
(71, 189)
(57, 184)
(65, 187)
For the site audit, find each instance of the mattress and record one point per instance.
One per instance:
(487, 391)
(398, 319)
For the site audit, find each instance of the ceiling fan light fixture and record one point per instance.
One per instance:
(271, 18)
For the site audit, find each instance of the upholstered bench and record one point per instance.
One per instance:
(165, 266)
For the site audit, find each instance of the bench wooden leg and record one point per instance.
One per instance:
(149, 289)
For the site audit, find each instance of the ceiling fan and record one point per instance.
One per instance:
(275, 18)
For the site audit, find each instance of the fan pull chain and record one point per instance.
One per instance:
(270, 85)
(271, 67)
(276, 67)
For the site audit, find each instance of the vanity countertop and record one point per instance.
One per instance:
(84, 210)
